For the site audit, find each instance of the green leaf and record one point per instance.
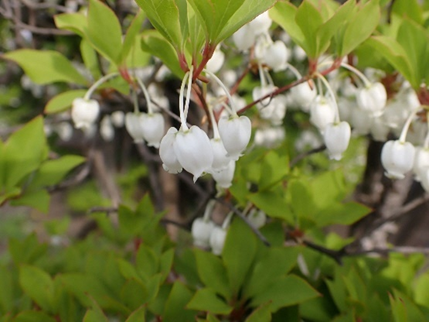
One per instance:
(261, 314)
(408, 8)
(63, 101)
(395, 55)
(248, 11)
(33, 316)
(274, 169)
(39, 199)
(360, 27)
(342, 214)
(309, 20)
(9, 290)
(90, 59)
(104, 31)
(138, 315)
(279, 297)
(51, 172)
(44, 67)
(273, 203)
(238, 253)
(132, 33)
(95, 314)
(164, 16)
(212, 273)
(155, 44)
(38, 285)
(75, 22)
(414, 39)
(275, 263)
(206, 300)
(175, 305)
(284, 14)
(26, 251)
(146, 262)
(23, 152)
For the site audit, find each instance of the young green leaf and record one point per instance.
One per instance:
(44, 67)
(63, 101)
(212, 273)
(90, 58)
(408, 8)
(104, 31)
(39, 199)
(206, 300)
(75, 22)
(309, 20)
(132, 33)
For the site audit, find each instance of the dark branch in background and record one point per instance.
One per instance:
(303, 155)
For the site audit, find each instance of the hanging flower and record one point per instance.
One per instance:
(397, 158)
(220, 158)
(170, 163)
(84, 112)
(337, 137)
(224, 177)
(322, 113)
(152, 128)
(201, 231)
(134, 126)
(372, 98)
(194, 151)
(235, 133)
(217, 240)
(421, 162)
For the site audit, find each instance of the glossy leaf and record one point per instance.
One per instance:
(360, 27)
(38, 285)
(63, 101)
(45, 67)
(175, 305)
(206, 300)
(104, 30)
(275, 292)
(212, 273)
(238, 253)
(75, 22)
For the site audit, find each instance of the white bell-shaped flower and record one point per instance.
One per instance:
(397, 158)
(361, 121)
(259, 92)
(379, 129)
(257, 218)
(244, 38)
(225, 176)
(421, 162)
(424, 178)
(84, 112)
(201, 231)
(270, 137)
(134, 126)
(303, 95)
(152, 128)
(337, 137)
(118, 119)
(235, 133)
(170, 163)
(194, 151)
(217, 240)
(261, 23)
(322, 113)
(372, 98)
(107, 131)
(220, 158)
(276, 56)
(215, 63)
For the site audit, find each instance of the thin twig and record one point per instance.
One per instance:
(303, 155)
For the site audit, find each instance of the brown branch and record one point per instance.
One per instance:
(303, 155)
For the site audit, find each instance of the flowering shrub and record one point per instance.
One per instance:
(251, 118)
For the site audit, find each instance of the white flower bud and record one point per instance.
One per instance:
(337, 137)
(118, 119)
(244, 38)
(421, 162)
(84, 112)
(302, 95)
(261, 23)
(220, 158)
(107, 131)
(217, 240)
(134, 126)
(216, 61)
(397, 158)
(276, 56)
(152, 128)
(372, 98)
(322, 113)
(201, 231)
(225, 176)
(194, 151)
(166, 151)
(257, 218)
(235, 133)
